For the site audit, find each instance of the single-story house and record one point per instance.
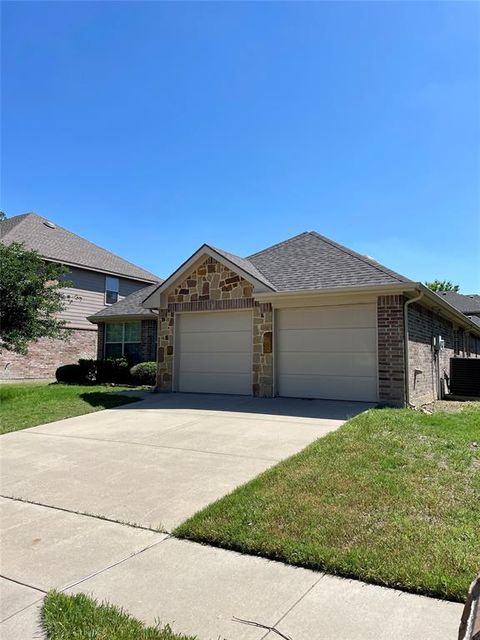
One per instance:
(304, 318)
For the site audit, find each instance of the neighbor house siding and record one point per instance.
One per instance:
(87, 295)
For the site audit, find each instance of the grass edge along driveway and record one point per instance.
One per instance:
(391, 498)
(24, 405)
(79, 617)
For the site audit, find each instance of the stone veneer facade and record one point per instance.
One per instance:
(212, 286)
(45, 356)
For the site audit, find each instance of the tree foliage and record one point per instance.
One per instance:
(31, 296)
(442, 285)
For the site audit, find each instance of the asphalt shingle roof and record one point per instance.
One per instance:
(129, 306)
(466, 303)
(311, 261)
(60, 245)
(245, 264)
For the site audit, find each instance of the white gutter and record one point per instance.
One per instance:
(405, 345)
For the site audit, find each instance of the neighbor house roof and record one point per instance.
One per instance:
(60, 245)
(129, 306)
(311, 261)
(466, 303)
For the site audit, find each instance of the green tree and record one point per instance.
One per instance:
(3, 216)
(442, 285)
(31, 296)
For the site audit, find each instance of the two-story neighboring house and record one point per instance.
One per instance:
(99, 278)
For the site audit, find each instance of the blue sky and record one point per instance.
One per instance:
(150, 127)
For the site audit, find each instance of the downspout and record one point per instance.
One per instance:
(405, 345)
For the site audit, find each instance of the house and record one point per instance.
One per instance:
(304, 318)
(98, 278)
(468, 304)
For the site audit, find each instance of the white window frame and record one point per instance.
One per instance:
(122, 341)
(116, 282)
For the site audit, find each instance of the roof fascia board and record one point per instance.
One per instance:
(98, 270)
(154, 300)
(399, 287)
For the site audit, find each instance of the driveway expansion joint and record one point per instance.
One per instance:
(86, 515)
(154, 446)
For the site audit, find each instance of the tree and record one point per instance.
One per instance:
(3, 216)
(31, 296)
(442, 285)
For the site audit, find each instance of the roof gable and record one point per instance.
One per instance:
(60, 245)
(238, 265)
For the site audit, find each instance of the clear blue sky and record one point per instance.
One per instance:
(150, 128)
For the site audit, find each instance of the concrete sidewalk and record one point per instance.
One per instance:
(198, 589)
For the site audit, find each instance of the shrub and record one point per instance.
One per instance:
(89, 369)
(113, 370)
(144, 373)
(69, 373)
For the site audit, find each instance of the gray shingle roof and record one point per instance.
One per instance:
(466, 303)
(59, 244)
(129, 306)
(311, 261)
(244, 264)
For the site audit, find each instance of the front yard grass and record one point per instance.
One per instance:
(79, 617)
(25, 405)
(392, 497)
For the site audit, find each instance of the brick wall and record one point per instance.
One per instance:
(46, 355)
(391, 365)
(429, 369)
(212, 286)
(149, 340)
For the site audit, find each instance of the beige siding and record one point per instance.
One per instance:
(88, 296)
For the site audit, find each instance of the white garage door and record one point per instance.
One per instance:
(214, 352)
(327, 352)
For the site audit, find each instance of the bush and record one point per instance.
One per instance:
(89, 369)
(113, 370)
(69, 373)
(144, 373)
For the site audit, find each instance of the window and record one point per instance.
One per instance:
(123, 339)
(111, 290)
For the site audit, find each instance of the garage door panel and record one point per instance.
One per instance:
(327, 352)
(334, 340)
(214, 383)
(217, 321)
(214, 352)
(329, 387)
(233, 341)
(331, 363)
(327, 317)
(220, 363)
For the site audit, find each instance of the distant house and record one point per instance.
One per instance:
(468, 304)
(99, 278)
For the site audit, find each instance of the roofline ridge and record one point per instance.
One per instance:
(278, 244)
(359, 256)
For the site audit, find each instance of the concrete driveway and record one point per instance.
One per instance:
(156, 462)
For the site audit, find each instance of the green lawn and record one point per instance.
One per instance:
(392, 497)
(79, 617)
(25, 405)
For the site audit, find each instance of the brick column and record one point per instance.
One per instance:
(391, 357)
